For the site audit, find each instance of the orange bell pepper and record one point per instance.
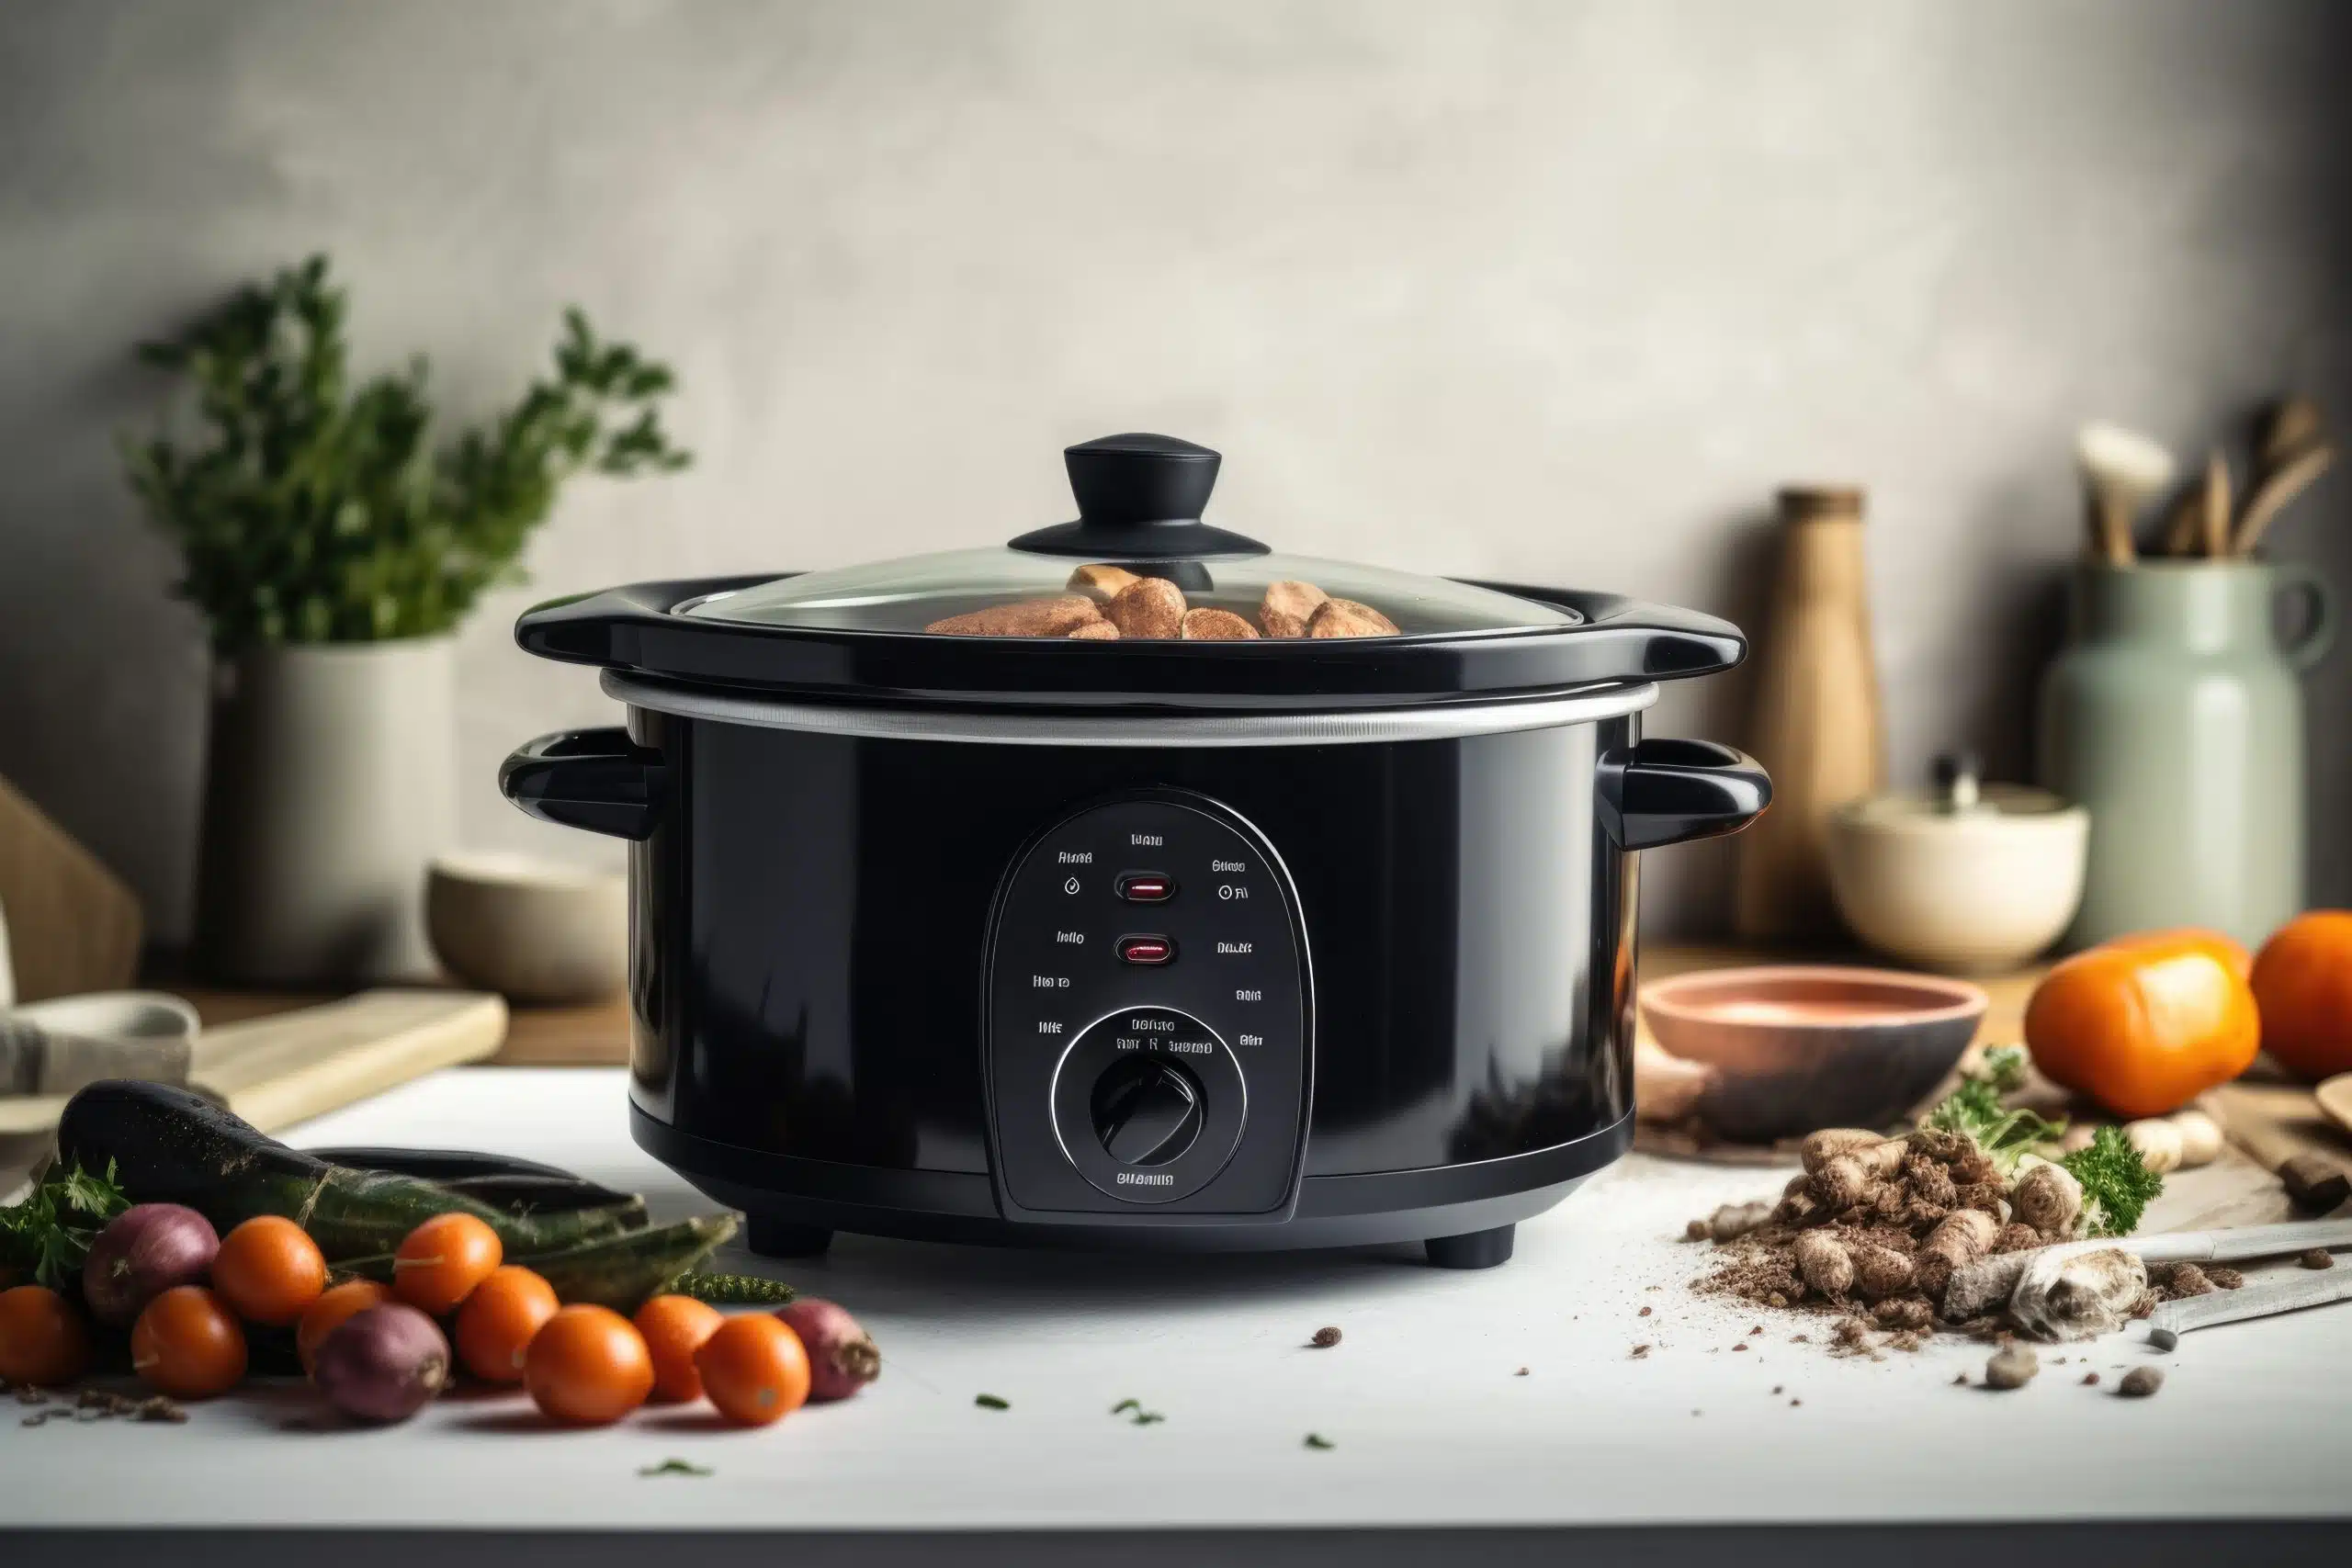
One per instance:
(2303, 982)
(2145, 1023)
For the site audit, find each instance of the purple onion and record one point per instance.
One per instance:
(147, 1249)
(383, 1364)
(842, 1356)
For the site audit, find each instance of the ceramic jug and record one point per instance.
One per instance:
(2174, 714)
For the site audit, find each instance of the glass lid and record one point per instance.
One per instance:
(1137, 563)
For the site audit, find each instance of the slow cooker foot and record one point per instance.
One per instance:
(781, 1238)
(1479, 1249)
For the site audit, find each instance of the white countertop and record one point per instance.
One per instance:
(1430, 1425)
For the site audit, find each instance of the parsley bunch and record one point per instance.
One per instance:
(2117, 1183)
(50, 1233)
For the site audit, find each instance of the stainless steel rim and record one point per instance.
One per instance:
(1446, 722)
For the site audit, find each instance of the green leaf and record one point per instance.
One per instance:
(2117, 1184)
(990, 1402)
(311, 507)
(48, 1234)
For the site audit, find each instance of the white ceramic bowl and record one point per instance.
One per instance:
(533, 931)
(1965, 892)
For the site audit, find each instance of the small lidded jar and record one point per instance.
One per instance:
(1966, 877)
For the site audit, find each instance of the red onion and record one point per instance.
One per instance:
(842, 1359)
(383, 1364)
(147, 1249)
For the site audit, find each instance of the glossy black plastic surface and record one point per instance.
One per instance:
(1670, 792)
(1140, 498)
(595, 779)
(1617, 640)
(1228, 999)
(811, 915)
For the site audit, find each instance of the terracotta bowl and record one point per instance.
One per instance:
(1798, 1047)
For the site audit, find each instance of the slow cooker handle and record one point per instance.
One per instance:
(596, 779)
(1669, 792)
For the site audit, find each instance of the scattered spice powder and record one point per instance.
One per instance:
(1643, 1313)
(1324, 1337)
(2185, 1280)
(1641, 1353)
(100, 1405)
(1741, 1346)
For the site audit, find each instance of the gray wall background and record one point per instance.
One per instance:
(1544, 291)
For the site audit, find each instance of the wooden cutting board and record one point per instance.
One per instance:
(292, 1067)
(73, 926)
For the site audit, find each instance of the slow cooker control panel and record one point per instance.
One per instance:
(1148, 1014)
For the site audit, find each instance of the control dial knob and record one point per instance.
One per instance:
(1147, 1111)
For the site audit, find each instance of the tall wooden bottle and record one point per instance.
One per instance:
(1816, 725)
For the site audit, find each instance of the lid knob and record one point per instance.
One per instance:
(1140, 498)
(1129, 479)
(1957, 776)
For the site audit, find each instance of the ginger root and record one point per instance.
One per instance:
(2048, 1198)
(1824, 1264)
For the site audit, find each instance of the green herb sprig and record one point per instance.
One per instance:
(317, 510)
(734, 1290)
(1975, 1109)
(2117, 1183)
(48, 1234)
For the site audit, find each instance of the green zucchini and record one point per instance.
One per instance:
(617, 1271)
(172, 1146)
(621, 1271)
(593, 1210)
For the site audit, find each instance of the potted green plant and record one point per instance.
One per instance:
(332, 545)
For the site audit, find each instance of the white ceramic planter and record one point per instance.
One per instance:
(330, 787)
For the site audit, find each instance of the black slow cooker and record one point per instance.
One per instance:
(1130, 886)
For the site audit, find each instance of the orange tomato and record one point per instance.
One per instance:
(2302, 979)
(498, 1320)
(754, 1368)
(42, 1338)
(2145, 1023)
(189, 1344)
(326, 1314)
(269, 1271)
(587, 1365)
(674, 1328)
(437, 1267)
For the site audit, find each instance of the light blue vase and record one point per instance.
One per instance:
(2175, 715)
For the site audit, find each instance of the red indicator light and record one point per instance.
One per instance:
(1146, 888)
(1146, 949)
